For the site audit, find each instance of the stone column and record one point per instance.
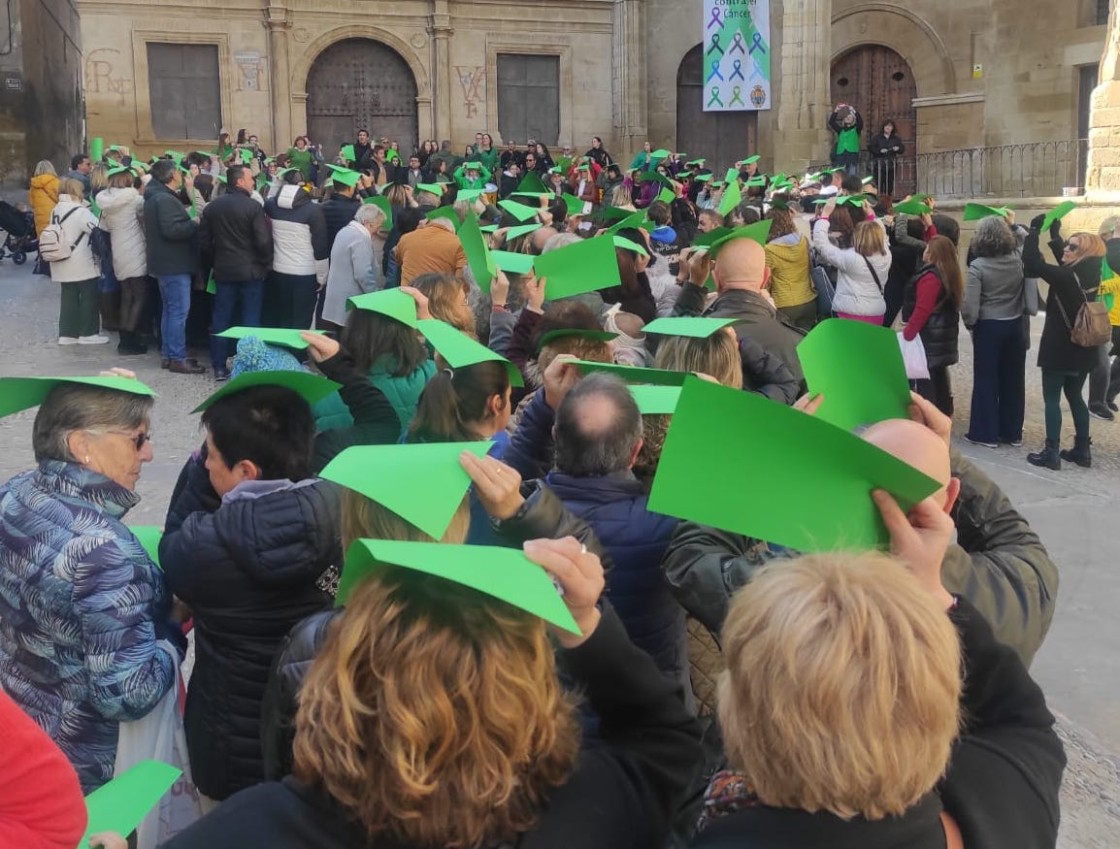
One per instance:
(1102, 181)
(440, 31)
(279, 25)
(628, 60)
(804, 64)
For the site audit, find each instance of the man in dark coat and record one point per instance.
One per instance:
(236, 242)
(252, 547)
(598, 433)
(172, 240)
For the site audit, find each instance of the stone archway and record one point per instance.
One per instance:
(720, 137)
(361, 83)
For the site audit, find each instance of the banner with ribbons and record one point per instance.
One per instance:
(736, 55)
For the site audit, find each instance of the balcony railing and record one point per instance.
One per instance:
(1039, 169)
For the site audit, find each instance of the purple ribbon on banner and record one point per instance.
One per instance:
(716, 21)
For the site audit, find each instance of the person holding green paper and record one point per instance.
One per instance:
(1065, 364)
(787, 257)
(302, 156)
(251, 545)
(634, 295)
(847, 123)
(1104, 379)
(931, 309)
(355, 263)
(472, 175)
(861, 270)
(432, 248)
(82, 606)
(301, 256)
(643, 159)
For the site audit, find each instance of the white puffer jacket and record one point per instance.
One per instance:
(80, 265)
(857, 292)
(122, 217)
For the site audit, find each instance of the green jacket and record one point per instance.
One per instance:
(999, 564)
(403, 393)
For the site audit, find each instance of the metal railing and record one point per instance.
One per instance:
(1038, 169)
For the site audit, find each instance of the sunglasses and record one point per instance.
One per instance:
(138, 441)
(1072, 246)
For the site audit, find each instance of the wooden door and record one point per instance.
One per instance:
(720, 137)
(879, 83)
(529, 98)
(356, 84)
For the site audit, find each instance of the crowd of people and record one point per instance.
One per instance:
(356, 681)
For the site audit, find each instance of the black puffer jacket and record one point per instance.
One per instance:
(250, 567)
(939, 333)
(544, 516)
(1056, 351)
(172, 237)
(339, 211)
(235, 238)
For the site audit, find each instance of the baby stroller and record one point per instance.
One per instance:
(20, 233)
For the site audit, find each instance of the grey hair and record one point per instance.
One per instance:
(592, 454)
(163, 171)
(44, 166)
(367, 213)
(71, 406)
(560, 240)
(993, 237)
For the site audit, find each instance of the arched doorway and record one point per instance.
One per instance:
(879, 83)
(720, 137)
(359, 83)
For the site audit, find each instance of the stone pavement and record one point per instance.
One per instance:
(1073, 511)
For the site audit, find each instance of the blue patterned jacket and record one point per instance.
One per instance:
(79, 603)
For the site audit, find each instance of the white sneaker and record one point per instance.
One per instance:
(92, 340)
(67, 340)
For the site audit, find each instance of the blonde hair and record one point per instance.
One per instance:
(366, 519)
(718, 356)
(447, 300)
(1089, 245)
(434, 715)
(869, 239)
(72, 187)
(44, 166)
(621, 196)
(842, 686)
(98, 177)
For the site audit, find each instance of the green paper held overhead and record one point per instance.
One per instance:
(97, 149)
(431, 188)
(392, 303)
(423, 483)
(667, 195)
(1058, 213)
(310, 387)
(347, 153)
(655, 400)
(756, 232)
(822, 476)
(447, 212)
(460, 350)
(634, 221)
(521, 230)
(386, 208)
(532, 184)
(148, 536)
(696, 327)
(512, 262)
(732, 197)
(858, 368)
(912, 207)
(627, 245)
(574, 205)
(502, 573)
(633, 374)
(977, 211)
(121, 805)
(282, 336)
(585, 266)
(519, 210)
(477, 252)
(22, 393)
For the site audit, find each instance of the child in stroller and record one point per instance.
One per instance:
(19, 226)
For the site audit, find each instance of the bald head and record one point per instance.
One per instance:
(598, 428)
(741, 264)
(917, 446)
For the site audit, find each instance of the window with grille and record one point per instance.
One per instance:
(529, 98)
(184, 88)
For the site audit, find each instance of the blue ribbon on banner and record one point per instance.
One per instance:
(737, 70)
(757, 43)
(715, 71)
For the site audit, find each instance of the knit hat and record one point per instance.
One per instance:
(253, 355)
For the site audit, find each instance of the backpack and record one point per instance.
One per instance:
(1090, 326)
(53, 244)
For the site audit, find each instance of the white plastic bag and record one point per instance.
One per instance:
(914, 357)
(159, 736)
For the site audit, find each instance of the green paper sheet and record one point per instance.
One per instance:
(977, 211)
(567, 332)
(585, 266)
(656, 400)
(634, 221)
(532, 184)
(282, 336)
(759, 231)
(431, 188)
(97, 149)
(660, 153)
(447, 212)
(468, 194)
(858, 368)
(503, 573)
(310, 387)
(149, 537)
(912, 207)
(510, 261)
(423, 483)
(122, 804)
(383, 204)
(460, 350)
(478, 254)
(1058, 213)
(667, 196)
(732, 197)
(389, 302)
(627, 245)
(347, 153)
(696, 327)
(211, 285)
(522, 230)
(819, 477)
(518, 210)
(732, 175)
(22, 393)
(616, 213)
(573, 204)
(633, 374)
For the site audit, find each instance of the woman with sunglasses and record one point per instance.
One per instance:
(1065, 365)
(82, 605)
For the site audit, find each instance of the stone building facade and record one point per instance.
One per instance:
(953, 73)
